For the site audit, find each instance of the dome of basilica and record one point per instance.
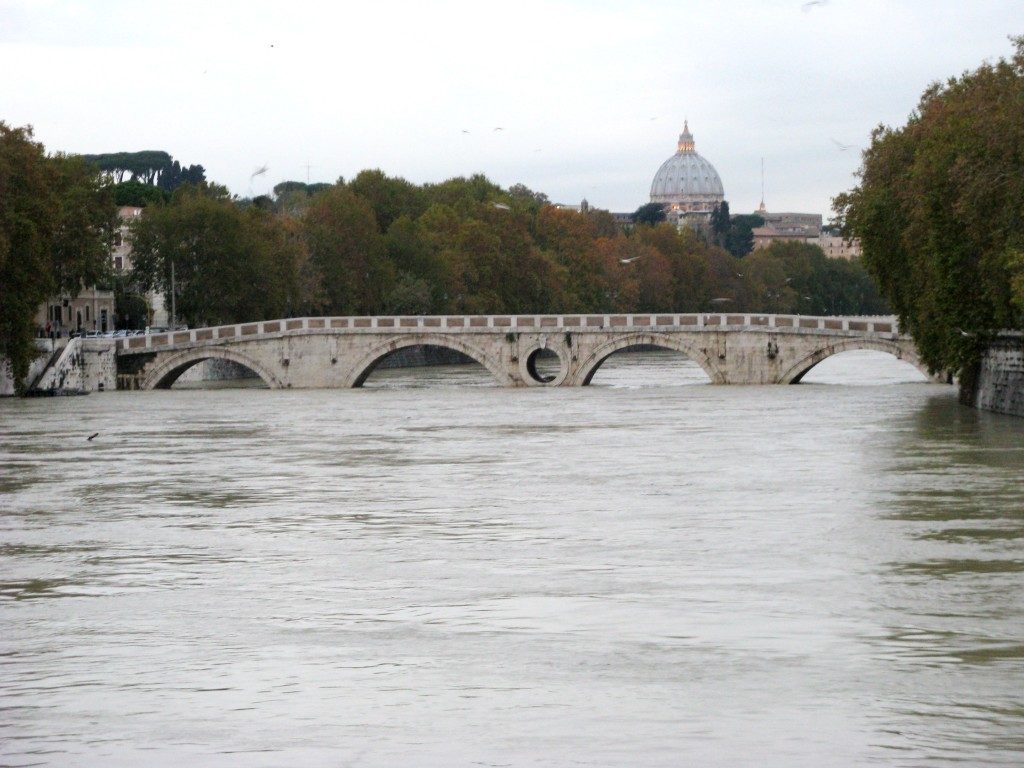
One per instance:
(686, 182)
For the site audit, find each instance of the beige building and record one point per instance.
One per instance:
(121, 262)
(91, 310)
(839, 247)
(802, 228)
(786, 227)
(121, 254)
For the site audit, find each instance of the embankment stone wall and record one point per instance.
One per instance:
(999, 385)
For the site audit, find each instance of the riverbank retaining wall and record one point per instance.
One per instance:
(45, 350)
(999, 383)
(70, 367)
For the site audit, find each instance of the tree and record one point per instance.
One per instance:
(389, 197)
(173, 175)
(523, 192)
(56, 225)
(938, 211)
(138, 194)
(740, 240)
(229, 265)
(688, 264)
(720, 224)
(650, 213)
(130, 306)
(347, 249)
(154, 168)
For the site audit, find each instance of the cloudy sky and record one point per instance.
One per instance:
(589, 97)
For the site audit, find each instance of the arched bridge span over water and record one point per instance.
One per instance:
(339, 352)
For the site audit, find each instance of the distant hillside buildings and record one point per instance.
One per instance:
(802, 228)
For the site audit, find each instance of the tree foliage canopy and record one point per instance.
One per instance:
(150, 167)
(649, 213)
(383, 245)
(940, 213)
(56, 225)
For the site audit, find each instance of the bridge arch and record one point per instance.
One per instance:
(588, 367)
(365, 365)
(901, 350)
(168, 371)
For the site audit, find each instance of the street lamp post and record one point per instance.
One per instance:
(174, 313)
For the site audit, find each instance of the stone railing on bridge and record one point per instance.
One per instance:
(533, 323)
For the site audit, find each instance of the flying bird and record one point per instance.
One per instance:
(465, 131)
(842, 147)
(94, 434)
(499, 128)
(259, 172)
(807, 7)
(630, 260)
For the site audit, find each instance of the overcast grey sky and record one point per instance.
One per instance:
(590, 96)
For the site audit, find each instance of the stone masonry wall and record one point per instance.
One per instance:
(1000, 382)
(99, 365)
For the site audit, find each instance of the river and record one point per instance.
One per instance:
(432, 571)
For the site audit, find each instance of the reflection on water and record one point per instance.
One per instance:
(438, 571)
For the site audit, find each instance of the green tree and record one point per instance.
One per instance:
(740, 239)
(418, 264)
(939, 213)
(138, 194)
(56, 224)
(229, 265)
(347, 249)
(130, 306)
(649, 213)
(389, 197)
(720, 224)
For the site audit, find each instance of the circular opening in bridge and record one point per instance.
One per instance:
(863, 368)
(426, 365)
(213, 373)
(543, 365)
(647, 365)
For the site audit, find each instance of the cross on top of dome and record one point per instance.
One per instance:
(686, 138)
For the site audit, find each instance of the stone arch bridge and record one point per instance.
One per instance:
(339, 352)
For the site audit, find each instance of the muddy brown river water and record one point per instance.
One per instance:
(435, 572)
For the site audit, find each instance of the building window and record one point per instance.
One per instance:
(118, 263)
